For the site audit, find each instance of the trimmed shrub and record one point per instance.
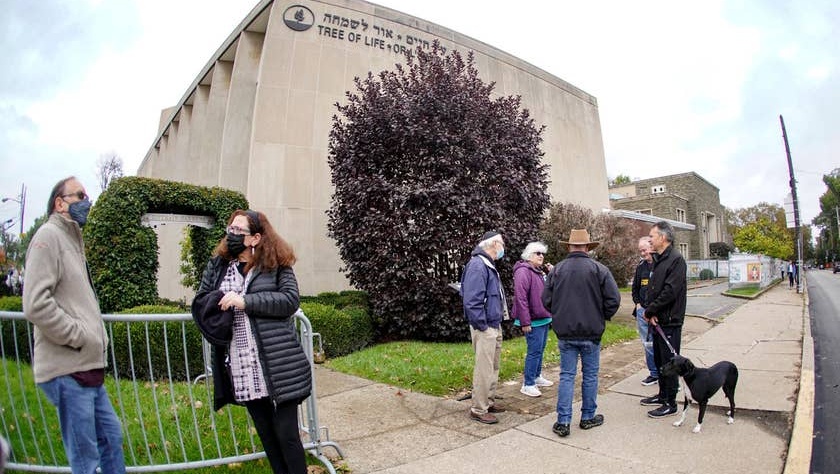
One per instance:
(706, 274)
(11, 303)
(342, 330)
(340, 300)
(180, 337)
(123, 254)
(15, 336)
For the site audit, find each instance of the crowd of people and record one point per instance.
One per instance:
(248, 295)
(574, 297)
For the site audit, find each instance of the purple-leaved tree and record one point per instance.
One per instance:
(424, 160)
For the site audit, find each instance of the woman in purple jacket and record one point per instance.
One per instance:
(530, 314)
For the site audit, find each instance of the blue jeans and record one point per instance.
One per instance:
(590, 359)
(647, 341)
(90, 429)
(535, 340)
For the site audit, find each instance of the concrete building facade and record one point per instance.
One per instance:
(685, 198)
(257, 117)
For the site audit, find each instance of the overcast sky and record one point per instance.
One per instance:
(680, 87)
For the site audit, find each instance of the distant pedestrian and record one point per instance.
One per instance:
(791, 271)
(639, 292)
(485, 308)
(581, 295)
(666, 300)
(70, 338)
(529, 314)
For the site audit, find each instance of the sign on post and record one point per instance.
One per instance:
(789, 217)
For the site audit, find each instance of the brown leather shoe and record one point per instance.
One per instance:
(496, 409)
(486, 418)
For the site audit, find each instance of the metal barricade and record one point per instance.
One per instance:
(167, 417)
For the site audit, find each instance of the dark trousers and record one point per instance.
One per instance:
(662, 354)
(278, 430)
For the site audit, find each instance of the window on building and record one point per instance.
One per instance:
(657, 189)
(680, 215)
(684, 250)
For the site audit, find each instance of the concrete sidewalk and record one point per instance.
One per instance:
(385, 429)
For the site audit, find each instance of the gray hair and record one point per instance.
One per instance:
(487, 243)
(533, 247)
(665, 230)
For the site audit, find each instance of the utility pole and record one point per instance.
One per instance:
(21, 199)
(795, 208)
(836, 239)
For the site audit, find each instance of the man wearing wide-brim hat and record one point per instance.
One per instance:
(580, 238)
(581, 295)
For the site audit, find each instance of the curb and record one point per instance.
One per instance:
(799, 449)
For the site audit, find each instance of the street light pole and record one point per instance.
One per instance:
(798, 242)
(21, 199)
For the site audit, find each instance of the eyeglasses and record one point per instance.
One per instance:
(539, 253)
(79, 194)
(235, 229)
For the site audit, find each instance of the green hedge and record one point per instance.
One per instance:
(181, 337)
(11, 303)
(15, 332)
(340, 300)
(123, 255)
(706, 274)
(342, 330)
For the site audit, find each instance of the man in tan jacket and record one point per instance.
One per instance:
(70, 340)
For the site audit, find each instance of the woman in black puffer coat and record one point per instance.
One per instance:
(263, 367)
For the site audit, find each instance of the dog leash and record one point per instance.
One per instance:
(659, 330)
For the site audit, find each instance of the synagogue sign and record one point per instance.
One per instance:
(355, 30)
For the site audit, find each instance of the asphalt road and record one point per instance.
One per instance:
(708, 301)
(824, 295)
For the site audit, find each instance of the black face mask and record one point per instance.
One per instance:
(235, 244)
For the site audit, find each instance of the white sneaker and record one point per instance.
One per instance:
(530, 390)
(541, 382)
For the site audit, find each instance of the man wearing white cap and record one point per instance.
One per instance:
(484, 308)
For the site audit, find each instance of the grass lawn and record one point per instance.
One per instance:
(744, 291)
(162, 423)
(441, 369)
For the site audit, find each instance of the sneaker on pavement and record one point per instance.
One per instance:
(663, 411)
(650, 380)
(596, 420)
(560, 430)
(486, 418)
(530, 390)
(652, 401)
(541, 382)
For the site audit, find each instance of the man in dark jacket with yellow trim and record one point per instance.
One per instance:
(665, 307)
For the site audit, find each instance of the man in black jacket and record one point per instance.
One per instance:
(581, 295)
(639, 291)
(665, 307)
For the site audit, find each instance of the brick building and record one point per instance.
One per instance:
(686, 198)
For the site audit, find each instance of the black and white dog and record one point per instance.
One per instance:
(702, 384)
